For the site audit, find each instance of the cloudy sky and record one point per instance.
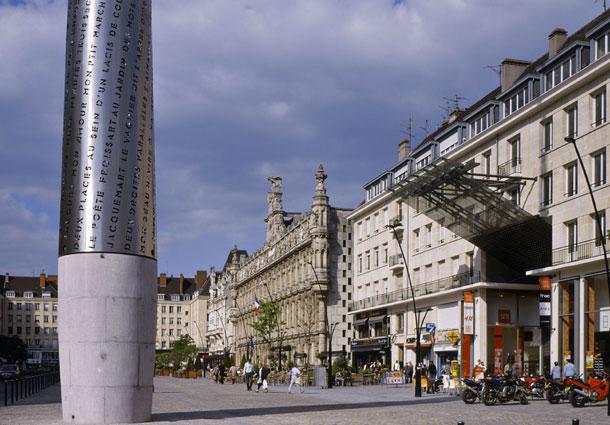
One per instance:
(247, 89)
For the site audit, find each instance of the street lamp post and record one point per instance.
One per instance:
(415, 312)
(571, 140)
(328, 328)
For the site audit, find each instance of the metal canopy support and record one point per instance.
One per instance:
(472, 206)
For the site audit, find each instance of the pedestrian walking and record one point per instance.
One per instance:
(409, 373)
(263, 373)
(249, 372)
(569, 370)
(233, 373)
(295, 379)
(556, 372)
(221, 373)
(431, 377)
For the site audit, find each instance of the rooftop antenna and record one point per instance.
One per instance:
(409, 131)
(497, 69)
(454, 102)
(426, 127)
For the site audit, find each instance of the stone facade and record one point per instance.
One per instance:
(304, 263)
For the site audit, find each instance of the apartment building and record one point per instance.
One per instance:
(305, 264)
(182, 309)
(493, 216)
(29, 311)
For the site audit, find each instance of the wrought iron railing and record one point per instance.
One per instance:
(510, 167)
(450, 282)
(580, 251)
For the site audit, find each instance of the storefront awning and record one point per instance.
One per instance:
(360, 322)
(376, 319)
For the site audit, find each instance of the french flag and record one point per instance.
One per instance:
(256, 305)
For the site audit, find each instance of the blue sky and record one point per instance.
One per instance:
(247, 89)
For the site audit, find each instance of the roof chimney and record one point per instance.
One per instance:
(42, 280)
(6, 279)
(557, 39)
(200, 277)
(181, 283)
(163, 280)
(511, 69)
(404, 148)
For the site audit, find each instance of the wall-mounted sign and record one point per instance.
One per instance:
(544, 302)
(468, 310)
(430, 327)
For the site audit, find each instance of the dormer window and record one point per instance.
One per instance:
(601, 45)
(28, 294)
(175, 297)
(517, 101)
(187, 297)
(160, 297)
(46, 295)
(10, 294)
(561, 72)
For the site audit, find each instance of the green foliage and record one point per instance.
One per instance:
(339, 364)
(227, 362)
(182, 350)
(162, 360)
(268, 320)
(242, 361)
(12, 348)
(289, 364)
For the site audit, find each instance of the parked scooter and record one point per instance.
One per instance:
(471, 390)
(503, 389)
(594, 390)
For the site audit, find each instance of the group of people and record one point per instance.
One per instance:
(262, 377)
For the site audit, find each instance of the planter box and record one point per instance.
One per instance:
(191, 374)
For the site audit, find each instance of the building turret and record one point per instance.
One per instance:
(275, 211)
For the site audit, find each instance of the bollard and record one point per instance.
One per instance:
(575, 421)
(6, 393)
(12, 392)
(460, 423)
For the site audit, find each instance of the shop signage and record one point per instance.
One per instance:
(430, 327)
(394, 378)
(589, 363)
(370, 344)
(468, 323)
(451, 336)
(425, 340)
(498, 366)
(544, 302)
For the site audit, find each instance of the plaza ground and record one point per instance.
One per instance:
(189, 401)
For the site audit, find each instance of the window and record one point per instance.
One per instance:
(368, 226)
(547, 189)
(416, 241)
(179, 321)
(19, 306)
(162, 332)
(179, 309)
(487, 163)
(429, 235)
(178, 332)
(171, 332)
(175, 297)
(163, 308)
(10, 294)
(601, 46)
(547, 135)
(47, 331)
(599, 236)
(163, 320)
(441, 231)
(37, 307)
(171, 308)
(359, 230)
(515, 195)
(55, 307)
(571, 237)
(385, 254)
(599, 108)
(360, 264)
(46, 307)
(376, 257)
(28, 294)
(571, 180)
(10, 330)
(599, 167)
(10, 306)
(160, 297)
(572, 121)
(368, 260)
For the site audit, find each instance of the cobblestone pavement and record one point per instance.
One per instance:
(182, 401)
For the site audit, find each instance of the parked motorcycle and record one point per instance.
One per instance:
(503, 389)
(535, 385)
(471, 390)
(594, 390)
(556, 391)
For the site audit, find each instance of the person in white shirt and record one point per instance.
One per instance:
(249, 372)
(295, 375)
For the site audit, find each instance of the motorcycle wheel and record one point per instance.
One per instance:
(469, 397)
(552, 397)
(488, 398)
(523, 399)
(577, 400)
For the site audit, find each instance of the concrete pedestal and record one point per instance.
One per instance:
(107, 317)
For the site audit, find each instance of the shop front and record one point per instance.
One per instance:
(369, 350)
(425, 353)
(446, 348)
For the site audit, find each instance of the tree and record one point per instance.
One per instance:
(182, 349)
(13, 349)
(268, 322)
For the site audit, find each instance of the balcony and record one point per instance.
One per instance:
(510, 167)
(432, 287)
(580, 251)
(395, 263)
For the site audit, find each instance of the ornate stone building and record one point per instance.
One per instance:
(304, 263)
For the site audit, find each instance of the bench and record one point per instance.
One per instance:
(357, 378)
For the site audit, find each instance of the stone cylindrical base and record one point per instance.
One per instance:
(107, 326)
